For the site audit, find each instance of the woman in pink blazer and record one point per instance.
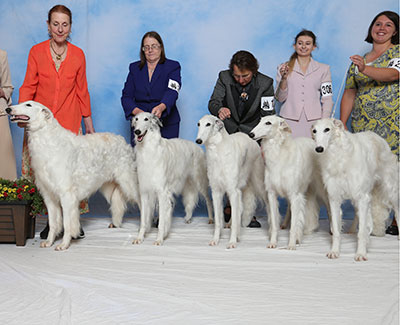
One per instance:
(304, 87)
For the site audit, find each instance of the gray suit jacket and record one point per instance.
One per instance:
(262, 105)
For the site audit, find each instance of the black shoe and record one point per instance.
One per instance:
(81, 235)
(44, 233)
(227, 215)
(392, 230)
(155, 223)
(254, 223)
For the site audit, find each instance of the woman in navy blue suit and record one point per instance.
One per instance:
(152, 85)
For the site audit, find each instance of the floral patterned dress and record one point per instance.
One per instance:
(376, 106)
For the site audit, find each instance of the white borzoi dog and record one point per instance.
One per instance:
(290, 172)
(235, 168)
(69, 168)
(359, 167)
(167, 167)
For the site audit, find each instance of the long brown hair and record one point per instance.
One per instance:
(293, 57)
(156, 36)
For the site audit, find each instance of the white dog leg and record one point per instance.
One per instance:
(70, 210)
(297, 224)
(206, 196)
(364, 228)
(146, 215)
(218, 207)
(189, 197)
(165, 201)
(235, 198)
(55, 221)
(336, 226)
(274, 217)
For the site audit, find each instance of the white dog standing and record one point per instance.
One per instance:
(235, 168)
(359, 167)
(69, 168)
(290, 170)
(166, 167)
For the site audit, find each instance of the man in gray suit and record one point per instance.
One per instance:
(241, 96)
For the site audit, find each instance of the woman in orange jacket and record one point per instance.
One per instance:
(56, 78)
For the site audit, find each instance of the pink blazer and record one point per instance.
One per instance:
(311, 92)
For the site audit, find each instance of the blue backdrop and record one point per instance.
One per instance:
(201, 35)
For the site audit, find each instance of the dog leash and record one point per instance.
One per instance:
(341, 88)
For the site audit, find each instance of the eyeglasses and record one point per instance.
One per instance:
(153, 47)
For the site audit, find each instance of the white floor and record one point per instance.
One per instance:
(104, 279)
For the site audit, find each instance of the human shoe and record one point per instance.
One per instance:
(254, 223)
(392, 230)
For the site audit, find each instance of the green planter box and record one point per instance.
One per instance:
(16, 223)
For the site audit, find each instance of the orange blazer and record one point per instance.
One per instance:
(65, 91)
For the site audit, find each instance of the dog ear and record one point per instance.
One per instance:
(46, 113)
(285, 127)
(156, 121)
(219, 124)
(338, 124)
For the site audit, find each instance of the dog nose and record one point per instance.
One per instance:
(199, 141)
(137, 132)
(8, 110)
(251, 135)
(319, 149)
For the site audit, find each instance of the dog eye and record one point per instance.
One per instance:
(29, 105)
(267, 123)
(314, 131)
(146, 119)
(208, 124)
(327, 130)
(136, 119)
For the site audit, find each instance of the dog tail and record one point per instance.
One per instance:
(117, 202)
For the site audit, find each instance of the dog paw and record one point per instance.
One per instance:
(231, 245)
(332, 255)
(213, 243)
(271, 245)
(61, 247)
(291, 247)
(45, 244)
(188, 221)
(360, 257)
(210, 221)
(137, 241)
(111, 225)
(158, 243)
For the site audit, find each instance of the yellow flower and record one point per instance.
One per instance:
(5, 188)
(26, 186)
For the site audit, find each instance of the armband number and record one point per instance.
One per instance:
(267, 103)
(326, 89)
(174, 85)
(394, 63)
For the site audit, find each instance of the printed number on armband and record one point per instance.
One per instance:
(394, 63)
(267, 103)
(326, 89)
(174, 85)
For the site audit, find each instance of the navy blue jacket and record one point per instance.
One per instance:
(163, 88)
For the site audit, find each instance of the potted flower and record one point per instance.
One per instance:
(20, 202)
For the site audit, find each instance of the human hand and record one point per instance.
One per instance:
(224, 113)
(87, 121)
(22, 124)
(157, 110)
(359, 62)
(284, 70)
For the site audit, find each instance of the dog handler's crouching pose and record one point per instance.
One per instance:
(56, 77)
(241, 96)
